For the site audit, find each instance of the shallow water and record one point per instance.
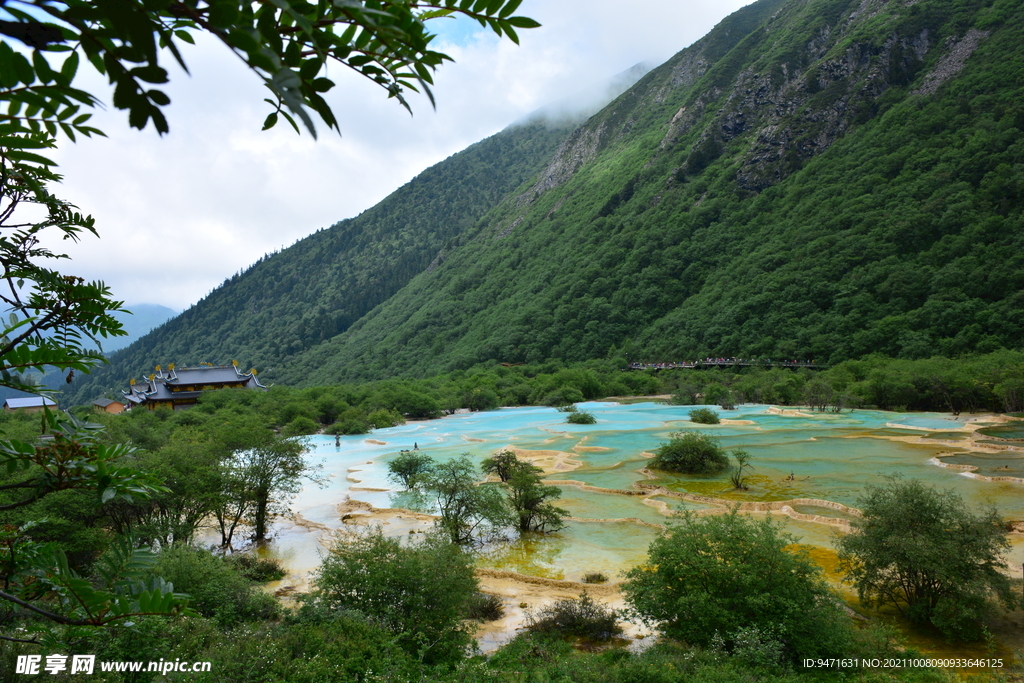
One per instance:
(1001, 464)
(827, 456)
(1014, 430)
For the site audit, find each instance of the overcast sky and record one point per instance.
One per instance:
(178, 214)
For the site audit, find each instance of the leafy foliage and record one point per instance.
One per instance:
(71, 456)
(923, 552)
(581, 417)
(528, 497)
(690, 452)
(721, 574)
(288, 45)
(582, 617)
(504, 465)
(408, 467)
(122, 590)
(419, 592)
(465, 508)
(260, 475)
(216, 588)
(705, 416)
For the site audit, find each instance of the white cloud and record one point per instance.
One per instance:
(180, 213)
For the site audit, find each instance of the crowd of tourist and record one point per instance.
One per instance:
(767, 362)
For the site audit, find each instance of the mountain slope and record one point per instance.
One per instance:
(815, 178)
(843, 179)
(292, 300)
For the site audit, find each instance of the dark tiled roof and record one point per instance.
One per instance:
(205, 375)
(103, 402)
(159, 389)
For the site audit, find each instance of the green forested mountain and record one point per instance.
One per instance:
(815, 178)
(314, 290)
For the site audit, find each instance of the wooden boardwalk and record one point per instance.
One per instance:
(727, 363)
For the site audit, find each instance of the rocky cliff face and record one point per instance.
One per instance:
(788, 106)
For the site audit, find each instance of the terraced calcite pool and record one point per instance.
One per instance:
(810, 470)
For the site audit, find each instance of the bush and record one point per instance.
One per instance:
(718, 394)
(383, 418)
(704, 416)
(728, 574)
(485, 607)
(300, 426)
(348, 426)
(594, 577)
(421, 593)
(923, 552)
(481, 399)
(217, 589)
(581, 417)
(691, 453)
(563, 396)
(257, 569)
(582, 617)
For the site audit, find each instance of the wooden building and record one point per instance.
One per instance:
(178, 388)
(105, 405)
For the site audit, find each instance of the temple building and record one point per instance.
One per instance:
(178, 388)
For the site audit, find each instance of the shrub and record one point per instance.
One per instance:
(728, 574)
(217, 589)
(563, 396)
(925, 553)
(485, 607)
(383, 418)
(582, 617)
(421, 593)
(256, 568)
(481, 399)
(594, 577)
(348, 426)
(300, 426)
(581, 417)
(704, 416)
(691, 453)
(350, 421)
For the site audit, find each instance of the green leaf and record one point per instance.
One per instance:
(42, 67)
(310, 68)
(522, 22)
(270, 121)
(158, 97)
(509, 8)
(23, 69)
(69, 68)
(322, 84)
